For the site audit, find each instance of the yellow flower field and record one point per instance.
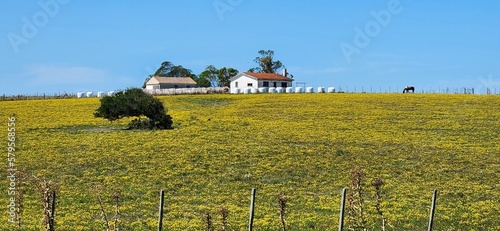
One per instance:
(303, 145)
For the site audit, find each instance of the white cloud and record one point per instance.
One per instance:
(50, 75)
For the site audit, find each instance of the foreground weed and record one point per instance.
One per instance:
(224, 213)
(377, 184)
(208, 222)
(97, 191)
(282, 200)
(355, 199)
(22, 179)
(47, 190)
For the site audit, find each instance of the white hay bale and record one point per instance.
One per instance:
(279, 90)
(321, 90)
(89, 94)
(80, 95)
(299, 90)
(100, 94)
(310, 90)
(262, 89)
(254, 90)
(272, 90)
(236, 90)
(111, 93)
(289, 90)
(331, 90)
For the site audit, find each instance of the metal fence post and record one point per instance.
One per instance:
(433, 207)
(252, 204)
(342, 206)
(160, 216)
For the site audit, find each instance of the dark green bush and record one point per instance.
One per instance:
(134, 102)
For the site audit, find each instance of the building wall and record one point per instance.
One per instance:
(243, 82)
(177, 85)
(274, 83)
(153, 86)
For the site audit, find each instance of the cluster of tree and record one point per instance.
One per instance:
(210, 77)
(218, 77)
(214, 77)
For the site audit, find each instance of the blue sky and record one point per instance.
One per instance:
(57, 46)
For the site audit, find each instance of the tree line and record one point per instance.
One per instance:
(219, 77)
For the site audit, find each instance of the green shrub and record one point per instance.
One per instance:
(134, 102)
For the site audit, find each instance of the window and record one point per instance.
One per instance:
(235, 84)
(250, 85)
(265, 84)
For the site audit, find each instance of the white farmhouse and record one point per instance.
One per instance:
(245, 80)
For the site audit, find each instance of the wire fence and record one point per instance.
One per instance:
(222, 90)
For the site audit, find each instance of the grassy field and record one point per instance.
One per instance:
(301, 145)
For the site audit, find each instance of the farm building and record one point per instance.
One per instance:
(259, 80)
(157, 82)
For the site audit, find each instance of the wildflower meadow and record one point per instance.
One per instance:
(297, 150)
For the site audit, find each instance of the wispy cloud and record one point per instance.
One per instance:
(50, 75)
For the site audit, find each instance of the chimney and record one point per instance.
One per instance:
(284, 72)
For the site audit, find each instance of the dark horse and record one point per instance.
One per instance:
(408, 89)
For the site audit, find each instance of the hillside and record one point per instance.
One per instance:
(303, 145)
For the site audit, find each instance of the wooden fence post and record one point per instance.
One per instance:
(433, 207)
(342, 206)
(252, 204)
(160, 216)
(52, 211)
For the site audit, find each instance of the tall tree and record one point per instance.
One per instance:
(167, 69)
(202, 81)
(225, 74)
(210, 74)
(218, 77)
(266, 63)
(164, 68)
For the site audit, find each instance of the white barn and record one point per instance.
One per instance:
(157, 82)
(245, 80)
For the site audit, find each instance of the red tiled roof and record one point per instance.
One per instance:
(268, 76)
